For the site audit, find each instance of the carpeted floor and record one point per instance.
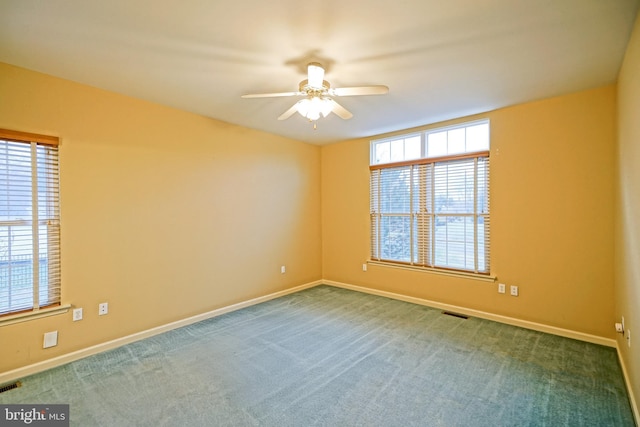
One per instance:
(332, 357)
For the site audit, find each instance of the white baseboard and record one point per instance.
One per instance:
(632, 399)
(481, 314)
(18, 373)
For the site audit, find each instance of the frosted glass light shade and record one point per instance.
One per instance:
(312, 108)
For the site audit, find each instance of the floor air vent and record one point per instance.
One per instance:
(11, 386)
(450, 313)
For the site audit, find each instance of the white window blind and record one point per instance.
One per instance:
(432, 214)
(29, 222)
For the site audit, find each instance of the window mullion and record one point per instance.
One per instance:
(432, 219)
(412, 216)
(475, 215)
(35, 226)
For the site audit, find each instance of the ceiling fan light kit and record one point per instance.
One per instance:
(313, 107)
(318, 93)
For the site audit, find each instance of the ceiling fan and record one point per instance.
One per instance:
(318, 95)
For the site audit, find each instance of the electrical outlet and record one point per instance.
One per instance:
(514, 291)
(502, 288)
(77, 314)
(103, 309)
(364, 267)
(283, 269)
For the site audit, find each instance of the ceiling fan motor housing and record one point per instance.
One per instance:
(306, 88)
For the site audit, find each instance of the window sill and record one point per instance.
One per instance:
(32, 315)
(450, 273)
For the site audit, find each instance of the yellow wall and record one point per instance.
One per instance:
(165, 214)
(552, 175)
(627, 224)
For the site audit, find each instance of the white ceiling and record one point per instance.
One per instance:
(440, 59)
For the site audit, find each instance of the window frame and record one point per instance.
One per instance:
(422, 238)
(44, 169)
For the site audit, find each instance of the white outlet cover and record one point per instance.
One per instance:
(103, 308)
(514, 290)
(50, 339)
(77, 314)
(502, 288)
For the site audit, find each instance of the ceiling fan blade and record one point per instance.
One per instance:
(272, 95)
(361, 90)
(290, 112)
(340, 111)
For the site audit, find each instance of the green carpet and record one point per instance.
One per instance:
(332, 357)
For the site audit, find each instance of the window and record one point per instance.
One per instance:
(430, 199)
(29, 222)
